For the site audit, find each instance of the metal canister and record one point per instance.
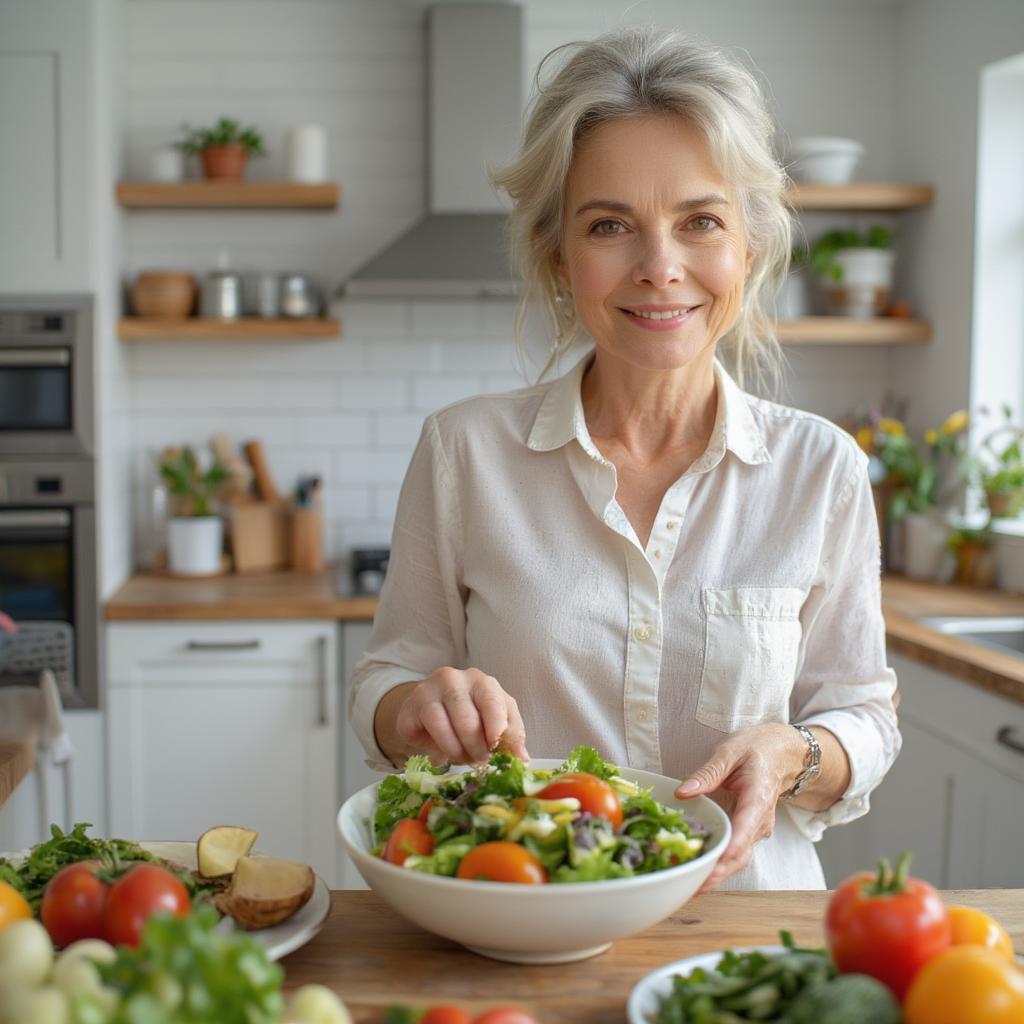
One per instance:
(221, 296)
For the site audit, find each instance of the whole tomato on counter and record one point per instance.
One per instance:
(144, 890)
(75, 904)
(886, 925)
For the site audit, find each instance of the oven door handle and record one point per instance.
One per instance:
(14, 520)
(34, 357)
(222, 645)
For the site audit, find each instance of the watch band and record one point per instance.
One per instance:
(812, 764)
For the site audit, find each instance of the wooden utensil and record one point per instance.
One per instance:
(264, 481)
(237, 486)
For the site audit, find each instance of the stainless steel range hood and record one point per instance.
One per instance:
(458, 249)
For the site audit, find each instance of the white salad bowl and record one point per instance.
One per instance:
(537, 924)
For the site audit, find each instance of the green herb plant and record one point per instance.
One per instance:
(998, 466)
(192, 487)
(225, 132)
(823, 251)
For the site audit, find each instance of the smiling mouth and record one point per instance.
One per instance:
(667, 314)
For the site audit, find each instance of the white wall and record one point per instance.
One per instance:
(351, 409)
(943, 46)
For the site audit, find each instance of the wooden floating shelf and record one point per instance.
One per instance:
(267, 195)
(867, 195)
(843, 330)
(143, 328)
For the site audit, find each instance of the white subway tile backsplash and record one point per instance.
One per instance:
(430, 393)
(385, 501)
(347, 504)
(370, 467)
(441, 319)
(334, 430)
(485, 354)
(397, 430)
(365, 392)
(202, 394)
(409, 356)
(373, 317)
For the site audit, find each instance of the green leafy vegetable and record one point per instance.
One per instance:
(184, 971)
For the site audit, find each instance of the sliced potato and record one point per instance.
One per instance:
(265, 891)
(220, 848)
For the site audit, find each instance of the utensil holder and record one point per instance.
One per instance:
(307, 542)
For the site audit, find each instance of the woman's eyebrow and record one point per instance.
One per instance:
(712, 199)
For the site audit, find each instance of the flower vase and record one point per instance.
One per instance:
(924, 545)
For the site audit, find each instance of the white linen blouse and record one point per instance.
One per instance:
(756, 599)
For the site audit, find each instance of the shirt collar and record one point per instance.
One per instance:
(560, 419)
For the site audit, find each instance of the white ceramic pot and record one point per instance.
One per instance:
(924, 545)
(825, 160)
(866, 285)
(194, 544)
(794, 300)
(1008, 551)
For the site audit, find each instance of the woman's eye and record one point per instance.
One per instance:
(606, 228)
(703, 223)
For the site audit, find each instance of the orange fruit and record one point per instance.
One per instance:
(12, 906)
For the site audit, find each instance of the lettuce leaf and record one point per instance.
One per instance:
(586, 759)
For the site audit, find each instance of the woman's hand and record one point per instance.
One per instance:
(755, 766)
(460, 716)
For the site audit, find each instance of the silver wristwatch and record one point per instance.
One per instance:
(812, 764)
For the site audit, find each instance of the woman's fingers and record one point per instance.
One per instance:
(514, 736)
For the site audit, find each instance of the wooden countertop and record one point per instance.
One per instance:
(372, 958)
(148, 597)
(16, 760)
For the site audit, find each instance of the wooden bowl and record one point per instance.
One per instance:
(170, 294)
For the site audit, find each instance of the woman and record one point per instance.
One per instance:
(640, 556)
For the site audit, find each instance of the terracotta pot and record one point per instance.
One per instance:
(224, 161)
(170, 294)
(974, 564)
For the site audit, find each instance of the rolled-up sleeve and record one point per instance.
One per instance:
(420, 621)
(843, 683)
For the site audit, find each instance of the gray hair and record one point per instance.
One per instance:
(641, 71)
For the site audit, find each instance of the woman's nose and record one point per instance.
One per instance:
(659, 263)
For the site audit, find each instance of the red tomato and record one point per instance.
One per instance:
(74, 904)
(506, 1015)
(594, 795)
(502, 861)
(409, 836)
(424, 811)
(446, 1015)
(146, 889)
(886, 925)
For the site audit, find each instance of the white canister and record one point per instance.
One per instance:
(924, 545)
(307, 153)
(167, 164)
(194, 544)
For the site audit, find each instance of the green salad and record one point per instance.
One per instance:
(503, 821)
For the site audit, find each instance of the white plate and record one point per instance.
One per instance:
(278, 941)
(645, 998)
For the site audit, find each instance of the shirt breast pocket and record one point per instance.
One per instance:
(751, 647)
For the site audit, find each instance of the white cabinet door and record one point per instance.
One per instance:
(227, 723)
(355, 775)
(47, 156)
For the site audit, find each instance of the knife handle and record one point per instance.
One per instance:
(264, 481)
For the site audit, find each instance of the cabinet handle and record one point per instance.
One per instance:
(222, 645)
(321, 656)
(1007, 736)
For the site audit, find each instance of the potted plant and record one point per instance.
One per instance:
(195, 535)
(999, 468)
(855, 270)
(970, 546)
(224, 148)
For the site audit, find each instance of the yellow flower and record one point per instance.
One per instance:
(955, 423)
(889, 426)
(931, 436)
(866, 438)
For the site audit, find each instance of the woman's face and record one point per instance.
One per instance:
(651, 227)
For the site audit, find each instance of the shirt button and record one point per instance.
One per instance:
(642, 715)
(671, 524)
(657, 552)
(642, 633)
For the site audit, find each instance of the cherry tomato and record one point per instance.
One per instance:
(424, 811)
(505, 1015)
(409, 836)
(973, 928)
(966, 985)
(886, 925)
(446, 1015)
(594, 795)
(146, 889)
(75, 903)
(502, 861)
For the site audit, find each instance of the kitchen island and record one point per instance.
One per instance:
(373, 958)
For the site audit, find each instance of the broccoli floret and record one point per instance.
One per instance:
(848, 999)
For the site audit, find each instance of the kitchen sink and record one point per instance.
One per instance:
(1005, 635)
